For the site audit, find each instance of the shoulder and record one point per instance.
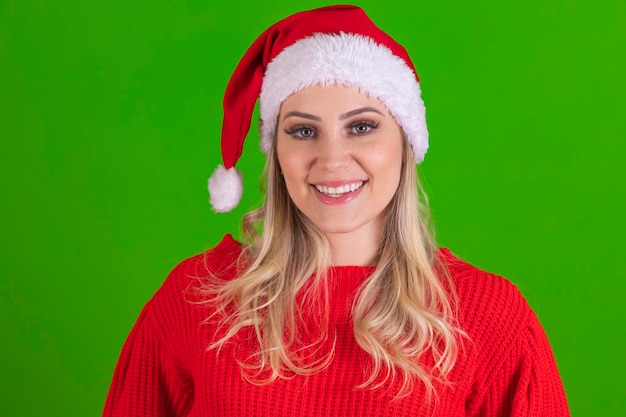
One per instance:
(175, 310)
(177, 292)
(217, 260)
(491, 309)
(160, 356)
(220, 260)
(507, 352)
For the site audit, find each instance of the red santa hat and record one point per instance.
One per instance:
(330, 45)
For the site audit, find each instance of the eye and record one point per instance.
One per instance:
(301, 132)
(363, 127)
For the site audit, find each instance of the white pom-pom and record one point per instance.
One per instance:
(225, 189)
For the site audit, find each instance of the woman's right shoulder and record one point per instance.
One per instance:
(219, 262)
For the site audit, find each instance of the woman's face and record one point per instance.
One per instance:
(340, 153)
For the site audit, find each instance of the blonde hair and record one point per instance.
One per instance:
(403, 310)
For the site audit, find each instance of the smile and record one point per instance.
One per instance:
(338, 192)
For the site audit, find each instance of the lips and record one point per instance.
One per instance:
(338, 192)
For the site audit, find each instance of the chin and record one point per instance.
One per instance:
(342, 226)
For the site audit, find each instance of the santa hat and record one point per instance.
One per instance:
(330, 45)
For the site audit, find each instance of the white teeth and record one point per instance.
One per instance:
(337, 192)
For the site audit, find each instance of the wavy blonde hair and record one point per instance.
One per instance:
(403, 310)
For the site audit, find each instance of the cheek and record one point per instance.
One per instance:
(289, 164)
(388, 159)
(293, 166)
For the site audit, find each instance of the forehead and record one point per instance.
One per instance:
(331, 98)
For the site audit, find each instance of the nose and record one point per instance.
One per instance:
(333, 153)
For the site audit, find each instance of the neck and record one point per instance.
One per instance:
(357, 249)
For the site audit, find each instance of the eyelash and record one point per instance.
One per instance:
(297, 131)
(371, 125)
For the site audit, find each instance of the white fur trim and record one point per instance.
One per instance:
(349, 60)
(225, 189)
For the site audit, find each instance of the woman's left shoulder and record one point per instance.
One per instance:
(489, 306)
(513, 367)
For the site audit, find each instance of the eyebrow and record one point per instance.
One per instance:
(303, 115)
(358, 111)
(342, 117)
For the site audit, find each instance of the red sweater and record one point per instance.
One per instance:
(505, 369)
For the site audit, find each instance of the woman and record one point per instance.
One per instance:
(342, 304)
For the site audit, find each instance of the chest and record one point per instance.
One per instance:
(221, 390)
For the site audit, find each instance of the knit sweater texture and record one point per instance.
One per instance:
(505, 368)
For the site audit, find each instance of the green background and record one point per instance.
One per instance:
(110, 114)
